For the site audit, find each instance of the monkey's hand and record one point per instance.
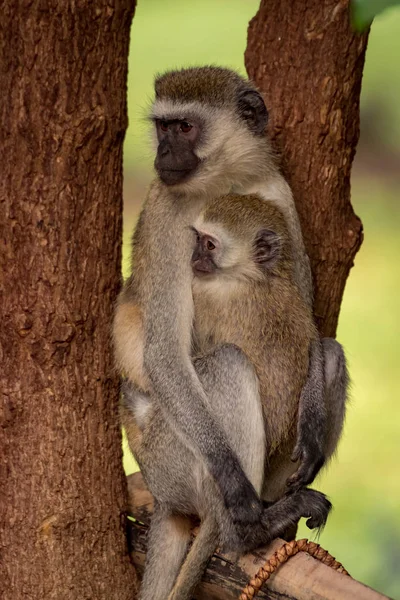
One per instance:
(284, 513)
(312, 460)
(312, 505)
(240, 498)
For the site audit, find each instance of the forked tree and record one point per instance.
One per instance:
(63, 70)
(307, 60)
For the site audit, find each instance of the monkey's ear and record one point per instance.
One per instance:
(267, 248)
(253, 110)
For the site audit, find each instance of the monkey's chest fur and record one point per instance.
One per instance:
(272, 325)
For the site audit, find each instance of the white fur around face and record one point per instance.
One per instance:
(217, 119)
(236, 263)
(231, 155)
(276, 191)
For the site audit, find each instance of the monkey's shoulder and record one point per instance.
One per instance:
(164, 208)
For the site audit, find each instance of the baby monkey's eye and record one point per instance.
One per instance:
(164, 125)
(210, 245)
(186, 127)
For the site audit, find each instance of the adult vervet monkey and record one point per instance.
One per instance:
(210, 124)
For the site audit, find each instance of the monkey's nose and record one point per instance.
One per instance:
(164, 148)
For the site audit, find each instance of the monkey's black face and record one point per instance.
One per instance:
(205, 255)
(176, 160)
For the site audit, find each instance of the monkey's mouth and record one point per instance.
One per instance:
(175, 176)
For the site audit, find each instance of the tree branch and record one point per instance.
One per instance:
(307, 61)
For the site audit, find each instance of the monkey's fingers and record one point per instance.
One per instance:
(320, 508)
(296, 454)
(311, 463)
(301, 478)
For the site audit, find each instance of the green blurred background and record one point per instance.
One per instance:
(364, 481)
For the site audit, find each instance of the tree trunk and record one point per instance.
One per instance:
(307, 61)
(63, 71)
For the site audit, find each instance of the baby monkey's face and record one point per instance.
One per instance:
(208, 253)
(218, 252)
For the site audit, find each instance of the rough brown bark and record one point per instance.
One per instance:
(307, 61)
(63, 71)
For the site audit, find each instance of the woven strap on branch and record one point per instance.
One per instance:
(281, 556)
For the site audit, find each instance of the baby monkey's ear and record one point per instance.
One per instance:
(267, 248)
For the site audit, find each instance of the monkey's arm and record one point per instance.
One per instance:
(128, 333)
(168, 329)
(336, 391)
(312, 422)
(321, 418)
(128, 336)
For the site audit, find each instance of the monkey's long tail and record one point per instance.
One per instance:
(281, 556)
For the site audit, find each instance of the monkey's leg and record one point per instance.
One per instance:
(168, 540)
(167, 467)
(336, 395)
(231, 386)
(192, 570)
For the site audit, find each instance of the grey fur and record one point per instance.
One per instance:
(182, 485)
(337, 382)
(161, 287)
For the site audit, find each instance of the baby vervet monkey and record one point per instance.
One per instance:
(245, 293)
(248, 312)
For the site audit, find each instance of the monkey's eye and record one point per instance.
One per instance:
(186, 127)
(164, 126)
(210, 245)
